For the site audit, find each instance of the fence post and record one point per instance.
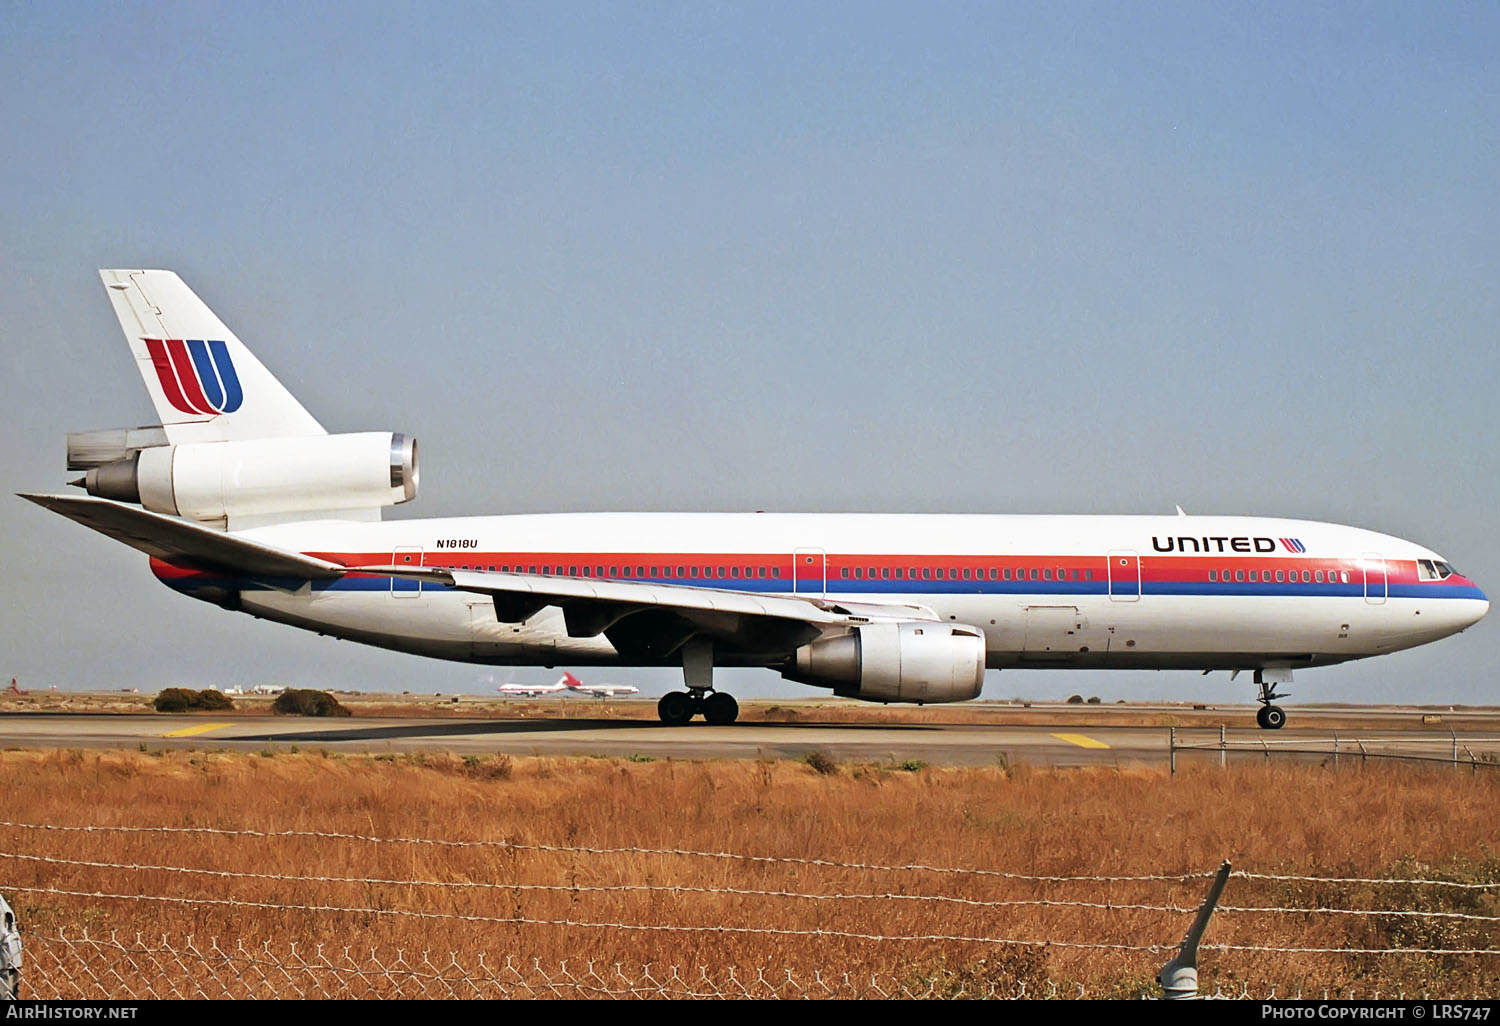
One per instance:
(1179, 977)
(1221, 746)
(1335, 749)
(1172, 749)
(10, 953)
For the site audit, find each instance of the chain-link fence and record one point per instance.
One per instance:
(85, 968)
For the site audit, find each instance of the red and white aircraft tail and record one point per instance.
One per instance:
(14, 689)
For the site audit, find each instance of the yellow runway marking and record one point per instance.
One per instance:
(1081, 740)
(202, 728)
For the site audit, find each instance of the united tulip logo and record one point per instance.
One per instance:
(197, 376)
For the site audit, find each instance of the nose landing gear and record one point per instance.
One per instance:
(1269, 716)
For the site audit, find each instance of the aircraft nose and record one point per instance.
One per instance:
(1474, 608)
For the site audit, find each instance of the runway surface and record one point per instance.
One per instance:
(1066, 742)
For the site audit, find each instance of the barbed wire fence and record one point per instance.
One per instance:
(68, 957)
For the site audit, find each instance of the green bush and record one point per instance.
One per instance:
(172, 700)
(300, 702)
(175, 700)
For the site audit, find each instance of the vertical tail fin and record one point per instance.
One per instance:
(206, 386)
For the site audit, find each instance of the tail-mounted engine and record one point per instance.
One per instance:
(911, 661)
(253, 477)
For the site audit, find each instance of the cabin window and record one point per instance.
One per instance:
(1280, 577)
(844, 573)
(926, 574)
(859, 573)
(734, 571)
(1239, 575)
(967, 574)
(885, 573)
(1213, 575)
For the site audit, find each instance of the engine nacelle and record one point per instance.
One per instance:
(911, 661)
(257, 477)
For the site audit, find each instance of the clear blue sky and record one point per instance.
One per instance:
(927, 257)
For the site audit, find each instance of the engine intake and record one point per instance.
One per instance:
(257, 477)
(908, 661)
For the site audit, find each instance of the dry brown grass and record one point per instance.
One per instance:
(1375, 821)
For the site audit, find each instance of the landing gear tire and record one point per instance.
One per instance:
(720, 709)
(1271, 717)
(676, 708)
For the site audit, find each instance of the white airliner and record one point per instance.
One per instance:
(567, 684)
(577, 686)
(242, 499)
(532, 690)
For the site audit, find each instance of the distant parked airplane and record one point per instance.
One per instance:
(14, 689)
(598, 690)
(531, 690)
(566, 684)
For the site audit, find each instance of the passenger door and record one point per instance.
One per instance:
(406, 555)
(1124, 570)
(809, 572)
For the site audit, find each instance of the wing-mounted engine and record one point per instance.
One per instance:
(261, 477)
(906, 661)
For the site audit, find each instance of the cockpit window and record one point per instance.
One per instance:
(1433, 570)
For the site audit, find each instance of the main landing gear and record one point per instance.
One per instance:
(1271, 717)
(678, 707)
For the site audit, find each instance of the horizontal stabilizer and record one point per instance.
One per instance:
(185, 544)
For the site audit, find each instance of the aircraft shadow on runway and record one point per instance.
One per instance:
(471, 727)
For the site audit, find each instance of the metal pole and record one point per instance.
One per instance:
(1172, 749)
(1179, 977)
(10, 953)
(1454, 736)
(1221, 746)
(1335, 748)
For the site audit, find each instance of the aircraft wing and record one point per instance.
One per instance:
(183, 543)
(654, 620)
